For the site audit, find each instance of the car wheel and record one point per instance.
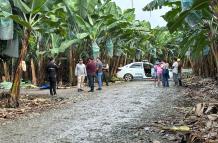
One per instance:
(128, 77)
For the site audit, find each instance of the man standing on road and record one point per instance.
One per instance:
(91, 71)
(175, 71)
(81, 73)
(106, 72)
(52, 75)
(179, 72)
(166, 75)
(99, 73)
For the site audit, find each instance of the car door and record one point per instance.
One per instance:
(148, 69)
(137, 70)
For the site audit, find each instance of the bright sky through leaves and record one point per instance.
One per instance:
(153, 17)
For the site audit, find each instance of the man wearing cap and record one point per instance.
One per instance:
(81, 73)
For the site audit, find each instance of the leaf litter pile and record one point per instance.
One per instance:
(28, 104)
(197, 118)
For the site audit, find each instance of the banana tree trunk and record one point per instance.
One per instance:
(15, 89)
(74, 59)
(113, 66)
(71, 66)
(215, 54)
(34, 79)
(116, 65)
(6, 72)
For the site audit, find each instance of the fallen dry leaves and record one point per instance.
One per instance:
(29, 104)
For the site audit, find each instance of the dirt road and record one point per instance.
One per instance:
(103, 117)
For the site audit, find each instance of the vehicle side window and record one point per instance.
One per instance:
(136, 66)
(147, 66)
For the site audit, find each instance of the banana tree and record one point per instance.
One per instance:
(30, 16)
(92, 31)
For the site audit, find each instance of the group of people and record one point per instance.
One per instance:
(94, 69)
(161, 69)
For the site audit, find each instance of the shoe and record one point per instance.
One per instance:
(79, 90)
(91, 90)
(99, 89)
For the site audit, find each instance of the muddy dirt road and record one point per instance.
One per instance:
(103, 117)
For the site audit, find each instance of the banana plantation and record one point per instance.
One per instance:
(33, 33)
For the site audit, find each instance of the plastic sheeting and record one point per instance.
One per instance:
(138, 54)
(12, 49)
(95, 50)
(193, 18)
(186, 4)
(110, 47)
(118, 52)
(206, 51)
(6, 24)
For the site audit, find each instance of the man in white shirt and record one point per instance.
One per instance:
(81, 73)
(175, 71)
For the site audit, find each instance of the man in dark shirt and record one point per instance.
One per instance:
(179, 72)
(91, 71)
(52, 76)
